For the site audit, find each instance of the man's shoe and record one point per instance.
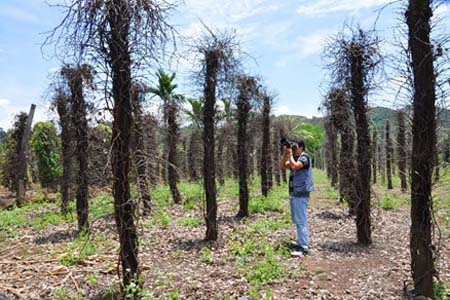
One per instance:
(296, 253)
(299, 252)
(293, 245)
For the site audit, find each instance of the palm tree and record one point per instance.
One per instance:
(224, 135)
(166, 91)
(195, 115)
(229, 137)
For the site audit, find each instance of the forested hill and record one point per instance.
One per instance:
(378, 116)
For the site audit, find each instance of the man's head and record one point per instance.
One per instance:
(300, 147)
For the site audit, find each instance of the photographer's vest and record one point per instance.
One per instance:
(301, 181)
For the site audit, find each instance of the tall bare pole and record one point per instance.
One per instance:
(23, 158)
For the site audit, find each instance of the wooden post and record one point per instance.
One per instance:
(23, 157)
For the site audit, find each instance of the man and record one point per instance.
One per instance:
(300, 185)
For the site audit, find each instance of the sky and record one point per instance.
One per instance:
(284, 39)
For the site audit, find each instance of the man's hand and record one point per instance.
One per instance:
(287, 152)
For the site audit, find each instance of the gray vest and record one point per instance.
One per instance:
(301, 181)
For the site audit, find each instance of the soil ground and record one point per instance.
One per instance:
(249, 261)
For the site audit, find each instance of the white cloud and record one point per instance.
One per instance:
(229, 11)
(9, 110)
(19, 14)
(15, 98)
(281, 110)
(4, 102)
(225, 14)
(322, 7)
(311, 44)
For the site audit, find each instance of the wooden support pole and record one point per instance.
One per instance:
(23, 158)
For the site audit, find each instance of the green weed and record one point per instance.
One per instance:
(441, 291)
(267, 225)
(92, 279)
(78, 250)
(190, 221)
(264, 272)
(206, 255)
(11, 221)
(229, 190)
(45, 218)
(255, 294)
(174, 295)
(158, 218)
(388, 202)
(101, 205)
(263, 204)
(192, 193)
(64, 294)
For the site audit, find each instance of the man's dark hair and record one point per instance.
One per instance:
(301, 143)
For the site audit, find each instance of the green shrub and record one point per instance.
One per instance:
(264, 272)
(388, 202)
(46, 145)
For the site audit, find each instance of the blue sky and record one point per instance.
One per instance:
(284, 37)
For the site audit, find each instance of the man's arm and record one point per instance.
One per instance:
(295, 165)
(284, 164)
(290, 161)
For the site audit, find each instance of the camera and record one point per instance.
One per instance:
(288, 143)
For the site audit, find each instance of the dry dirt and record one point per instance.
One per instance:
(170, 256)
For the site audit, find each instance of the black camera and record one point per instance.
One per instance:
(288, 143)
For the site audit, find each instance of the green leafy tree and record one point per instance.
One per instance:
(312, 135)
(166, 91)
(46, 145)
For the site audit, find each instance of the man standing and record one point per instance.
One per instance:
(300, 186)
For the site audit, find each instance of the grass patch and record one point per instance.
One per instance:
(79, 250)
(161, 195)
(229, 190)
(64, 294)
(190, 221)
(267, 225)
(192, 195)
(255, 294)
(158, 218)
(33, 215)
(262, 204)
(259, 260)
(44, 218)
(40, 214)
(264, 272)
(206, 255)
(389, 202)
(441, 291)
(101, 205)
(11, 221)
(273, 202)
